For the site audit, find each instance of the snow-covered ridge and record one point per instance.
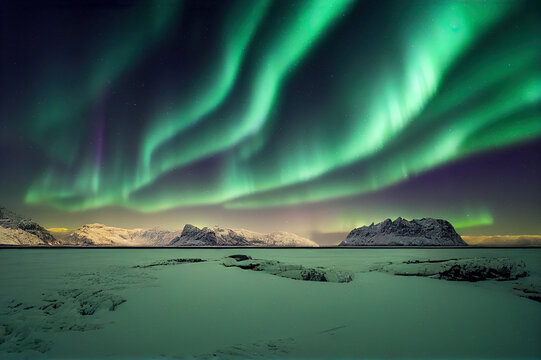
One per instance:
(103, 235)
(217, 236)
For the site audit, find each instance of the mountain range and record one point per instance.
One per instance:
(16, 230)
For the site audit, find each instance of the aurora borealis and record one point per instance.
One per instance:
(305, 116)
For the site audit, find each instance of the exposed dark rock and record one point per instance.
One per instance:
(471, 269)
(170, 262)
(529, 292)
(478, 272)
(333, 330)
(401, 232)
(427, 261)
(296, 272)
(193, 236)
(250, 266)
(468, 270)
(217, 236)
(34, 228)
(313, 275)
(49, 307)
(240, 257)
(10, 220)
(87, 301)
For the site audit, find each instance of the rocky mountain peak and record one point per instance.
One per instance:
(11, 220)
(401, 232)
(218, 236)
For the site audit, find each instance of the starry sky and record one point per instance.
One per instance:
(311, 116)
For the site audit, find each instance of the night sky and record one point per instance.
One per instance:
(306, 116)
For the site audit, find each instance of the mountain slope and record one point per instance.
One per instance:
(216, 236)
(19, 237)
(103, 235)
(401, 232)
(16, 230)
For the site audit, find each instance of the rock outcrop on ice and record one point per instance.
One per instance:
(296, 272)
(467, 269)
(216, 236)
(401, 232)
(103, 235)
(16, 230)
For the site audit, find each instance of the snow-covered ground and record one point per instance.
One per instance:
(134, 304)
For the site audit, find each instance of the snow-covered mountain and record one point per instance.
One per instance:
(17, 230)
(217, 236)
(103, 235)
(401, 232)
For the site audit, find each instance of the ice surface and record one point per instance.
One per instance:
(97, 304)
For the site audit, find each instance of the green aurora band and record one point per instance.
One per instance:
(437, 91)
(65, 97)
(209, 94)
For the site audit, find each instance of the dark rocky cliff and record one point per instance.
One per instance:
(401, 232)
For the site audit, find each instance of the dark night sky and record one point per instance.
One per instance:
(305, 116)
